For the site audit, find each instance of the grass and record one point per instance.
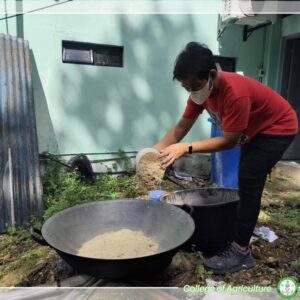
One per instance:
(294, 201)
(28, 260)
(64, 189)
(61, 189)
(200, 272)
(17, 251)
(287, 217)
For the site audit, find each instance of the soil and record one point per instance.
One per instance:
(123, 243)
(149, 172)
(25, 263)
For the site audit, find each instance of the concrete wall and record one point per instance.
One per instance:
(249, 54)
(264, 48)
(83, 108)
(272, 55)
(7, 26)
(291, 26)
(88, 108)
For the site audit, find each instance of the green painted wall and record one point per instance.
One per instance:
(291, 26)
(272, 55)
(91, 109)
(264, 48)
(7, 26)
(248, 54)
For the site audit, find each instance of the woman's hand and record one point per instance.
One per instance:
(171, 153)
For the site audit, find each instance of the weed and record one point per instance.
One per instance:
(293, 201)
(35, 253)
(281, 273)
(124, 162)
(64, 190)
(295, 265)
(12, 230)
(209, 274)
(29, 259)
(18, 236)
(200, 271)
(286, 217)
(199, 255)
(35, 222)
(227, 277)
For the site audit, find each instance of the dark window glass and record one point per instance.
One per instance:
(92, 54)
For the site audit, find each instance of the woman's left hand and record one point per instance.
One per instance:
(171, 153)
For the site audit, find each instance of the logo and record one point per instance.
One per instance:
(288, 287)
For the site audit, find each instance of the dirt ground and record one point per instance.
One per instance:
(26, 263)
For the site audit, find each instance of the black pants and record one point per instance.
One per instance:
(257, 159)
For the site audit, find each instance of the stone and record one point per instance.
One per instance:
(182, 262)
(272, 262)
(296, 265)
(265, 282)
(263, 217)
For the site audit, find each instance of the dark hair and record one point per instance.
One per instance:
(194, 62)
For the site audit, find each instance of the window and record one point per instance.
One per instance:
(92, 54)
(226, 63)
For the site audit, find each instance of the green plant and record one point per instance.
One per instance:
(28, 260)
(12, 230)
(293, 201)
(227, 277)
(124, 162)
(200, 271)
(282, 273)
(35, 253)
(65, 190)
(199, 255)
(17, 236)
(68, 192)
(286, 217)
(35, 222)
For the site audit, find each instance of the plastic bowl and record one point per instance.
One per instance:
(144, 151)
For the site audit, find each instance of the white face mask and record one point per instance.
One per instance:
(200, 96)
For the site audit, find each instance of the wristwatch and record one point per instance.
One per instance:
(190, 148)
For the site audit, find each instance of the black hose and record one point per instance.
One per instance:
(49, 157)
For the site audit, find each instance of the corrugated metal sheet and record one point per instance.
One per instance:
(21, 192)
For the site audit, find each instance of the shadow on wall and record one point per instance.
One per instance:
(45, 131)
(250, 53)
(126, 107)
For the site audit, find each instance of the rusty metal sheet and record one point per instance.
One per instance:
(21, 190)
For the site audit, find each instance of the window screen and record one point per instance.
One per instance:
(227, 63)
(92, 54)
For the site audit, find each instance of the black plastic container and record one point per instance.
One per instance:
(214, 213)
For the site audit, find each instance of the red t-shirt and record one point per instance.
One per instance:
(246, 105)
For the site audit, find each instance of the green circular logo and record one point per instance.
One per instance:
(288, 287)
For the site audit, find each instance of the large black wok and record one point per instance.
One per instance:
(168, 225)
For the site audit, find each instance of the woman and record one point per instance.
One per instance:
(251, 115)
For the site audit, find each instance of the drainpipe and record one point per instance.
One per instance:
(20, 19)
(6, 14)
